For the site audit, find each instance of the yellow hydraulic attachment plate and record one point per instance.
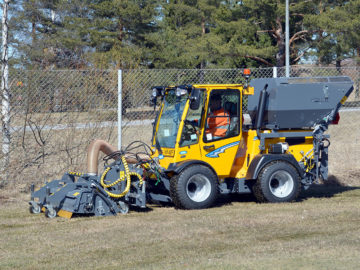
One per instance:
(64, 214)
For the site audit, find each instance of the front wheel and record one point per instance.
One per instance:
(278, 181)
(195, 187)
(50, 213)
(35, 209)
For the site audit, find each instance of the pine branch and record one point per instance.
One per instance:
(259, 59)
(297, 35)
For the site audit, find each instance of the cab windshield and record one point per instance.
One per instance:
(170, 119)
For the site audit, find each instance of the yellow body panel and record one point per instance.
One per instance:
(192, 152)
(221, 161)
(247, 150)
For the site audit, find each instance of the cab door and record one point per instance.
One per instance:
(189, 141)
(221, 130)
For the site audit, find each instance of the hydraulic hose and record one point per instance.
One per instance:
(127, 176)
(99, 145)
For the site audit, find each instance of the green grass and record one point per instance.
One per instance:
(320, 231)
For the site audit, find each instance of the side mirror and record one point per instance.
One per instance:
(195, 99)
(154, 95)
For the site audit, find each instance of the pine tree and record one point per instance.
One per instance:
(269, 17)
(239, 43)
(38, 22)
(118, 32)
(198, 34)
(337, 27)
(185, 38)
(180, 33)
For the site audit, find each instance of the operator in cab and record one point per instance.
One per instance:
(218, 120)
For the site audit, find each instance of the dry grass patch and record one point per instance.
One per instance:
(320, 231)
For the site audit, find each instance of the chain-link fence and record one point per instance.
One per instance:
(56, 114)
(53, 117)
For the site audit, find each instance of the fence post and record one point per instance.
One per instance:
(274, 72)
(119, 107)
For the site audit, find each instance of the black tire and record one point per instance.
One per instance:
(196, 187)
(277, 182)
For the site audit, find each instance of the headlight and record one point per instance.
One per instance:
(154, 92)
(285, 147)
(180, 92)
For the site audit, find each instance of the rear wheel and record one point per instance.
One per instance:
(278, 181)
(195, 187)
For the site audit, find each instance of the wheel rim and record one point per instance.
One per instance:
(198, 188)
(281, 184)
(35, 209)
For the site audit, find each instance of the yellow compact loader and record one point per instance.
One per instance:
(265, 136)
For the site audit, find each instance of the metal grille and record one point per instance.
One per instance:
(56, 114)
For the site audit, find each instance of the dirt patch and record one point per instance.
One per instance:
(333, 181)
(353, 177)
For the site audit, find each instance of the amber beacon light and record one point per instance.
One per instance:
(247, 73)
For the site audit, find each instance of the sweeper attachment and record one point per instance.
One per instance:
(265, 137)
(120, 185)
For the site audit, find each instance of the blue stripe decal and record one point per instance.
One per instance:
(216, 152)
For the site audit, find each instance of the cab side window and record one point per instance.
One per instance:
(223, 117)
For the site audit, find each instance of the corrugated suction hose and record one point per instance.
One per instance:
(93, 154)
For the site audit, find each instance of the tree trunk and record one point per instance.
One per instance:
(280, 56)
(280, 42)
(338, 65)
(5, 102)
(34, 59)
